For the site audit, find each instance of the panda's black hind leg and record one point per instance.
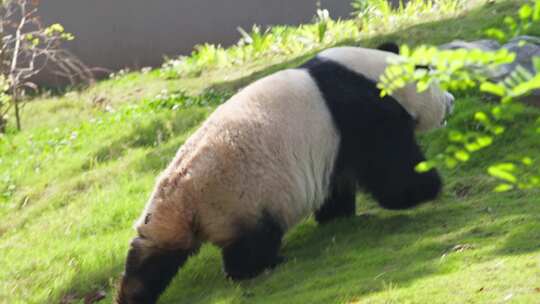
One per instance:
(341, 202)
(255, 249)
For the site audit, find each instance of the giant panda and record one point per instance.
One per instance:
(294, 143)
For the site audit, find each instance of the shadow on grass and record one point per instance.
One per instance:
(82, 292)
(157, 159)
(359, 256)
(235, 84)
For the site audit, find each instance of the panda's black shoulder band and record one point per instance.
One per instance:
(352, 98)
(391, 47)
(314, 62)
(377, 137)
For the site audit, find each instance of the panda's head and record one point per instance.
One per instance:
(429, 108)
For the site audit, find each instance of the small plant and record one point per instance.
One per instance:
(323, 21)
(528, 16)
(181, 99)
(376, 16)
(371, 17)
(367, 11)
(119, 74)
(360, 7)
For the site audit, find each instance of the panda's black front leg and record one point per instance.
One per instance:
(341, 202)
(254, 249)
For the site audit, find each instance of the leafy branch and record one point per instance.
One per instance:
(460, 70)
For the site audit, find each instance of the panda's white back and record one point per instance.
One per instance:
(294, 114)
(428, 108)
(368, 62)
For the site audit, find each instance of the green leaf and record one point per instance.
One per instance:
(503, 188)
(497, 112)
(405, 51)
(496, 34)
(536, 63)
(399, 83)
(67, 36)
(424, 166)
(506, 166)
(455, 136)
(510, 22)
(502, 171)
(492, 88)
(536, 13)
(56, 28)
(484, 141)
(525, 12)
(462, 155)
(422, 85)
(498, 130)
(473, 147)
(481, 116)
(526, 87)
(450, 162)
(527, 161)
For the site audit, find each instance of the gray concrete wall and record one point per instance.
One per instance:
(135, 33)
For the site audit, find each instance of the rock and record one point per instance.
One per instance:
(529, 39)
(484, 45)
(525, 50)
(525, 47)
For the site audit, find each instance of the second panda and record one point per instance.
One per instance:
(297, 142)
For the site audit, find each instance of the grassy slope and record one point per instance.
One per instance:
(81, 177)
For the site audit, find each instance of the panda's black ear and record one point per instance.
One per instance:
(391, 47)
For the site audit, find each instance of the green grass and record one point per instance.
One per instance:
(73, 182)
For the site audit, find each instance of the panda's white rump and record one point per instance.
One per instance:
(271, 148)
